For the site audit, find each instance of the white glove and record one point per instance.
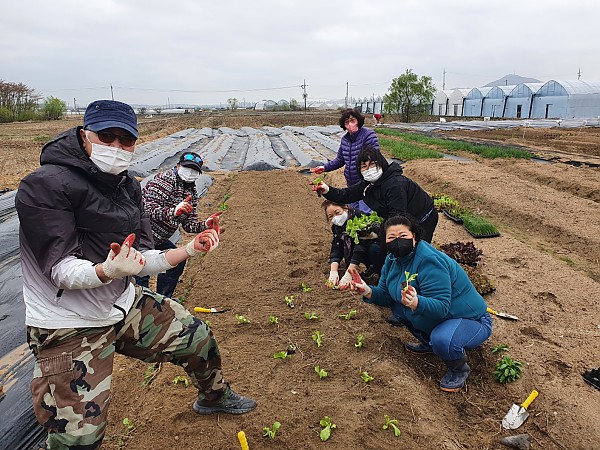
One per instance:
(345, 281)
(359, 285)
(334, 277)
(184, 207)
(123, 260)
(214, 222)
(204, 242)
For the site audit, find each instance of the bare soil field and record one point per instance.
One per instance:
(545, 266)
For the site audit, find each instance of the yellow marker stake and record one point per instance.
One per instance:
(243, 441)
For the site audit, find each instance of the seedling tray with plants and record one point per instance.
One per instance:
(448, 214)
(363, 225)
(479, 227)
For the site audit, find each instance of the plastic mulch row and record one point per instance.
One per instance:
(592, 377)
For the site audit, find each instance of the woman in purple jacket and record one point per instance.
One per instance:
(353, 141)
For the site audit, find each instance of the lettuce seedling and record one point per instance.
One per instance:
(500, 348)
(289, 300)
(241, 319)
(391, 423)
(282, 355)
(348, 316)
(273, 320)
(328, 426)
(409, 278)
(366, 377)
(362, 224)
(271, 431)
(311, 316)
(321, 372)
(317, 181)
(318, 338)
(331, 285)
(360, 339)
(305, 287)
(181, 379)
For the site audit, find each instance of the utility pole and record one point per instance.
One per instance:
(75, 104)
(304, 95)
(346, 101)
(579, 74)
(111, 92)
(444, 81)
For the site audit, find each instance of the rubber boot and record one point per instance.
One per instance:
(455, 378)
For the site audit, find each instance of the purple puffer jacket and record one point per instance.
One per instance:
(348, 152)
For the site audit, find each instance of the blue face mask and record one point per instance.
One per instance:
(400, 247)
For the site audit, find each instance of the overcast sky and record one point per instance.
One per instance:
(201, 52)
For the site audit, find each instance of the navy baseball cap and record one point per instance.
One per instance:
(103, 114)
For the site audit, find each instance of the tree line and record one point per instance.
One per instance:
(19, 102)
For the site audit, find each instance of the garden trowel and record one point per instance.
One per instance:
(210, 310)
(517, 414)
(502, 314)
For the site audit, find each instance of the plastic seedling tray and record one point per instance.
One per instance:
(478, 236)
(592, 377)
(451, 217)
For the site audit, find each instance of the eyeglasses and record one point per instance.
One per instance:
(106, 137)
(190, 157)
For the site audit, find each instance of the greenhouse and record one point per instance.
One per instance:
(474, 102)
(440, 103)
(455, 102)
(495, 100)
(518, 102)
(566, 100)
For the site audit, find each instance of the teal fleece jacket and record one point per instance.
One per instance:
(443, 288)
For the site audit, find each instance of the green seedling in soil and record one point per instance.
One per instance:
(328, 426)
(409, 278)
(181, 299)
(348, 316)
(271, 432)
(318, 338)
(241, 319)
(508, 370)
(289, 300)
(360, 340)
(500, 348)
(311, 316)
(223, 207)
(208, 323)
(128, 430)
(366, 377)
(273, 320)
(181, 379)
(305, 287)
(150, 374)
(282, 355)
(330, 285)
(393, 423)
(321, 372)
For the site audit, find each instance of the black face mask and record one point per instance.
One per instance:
(400, 247)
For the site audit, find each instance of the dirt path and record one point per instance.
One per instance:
(276, 238)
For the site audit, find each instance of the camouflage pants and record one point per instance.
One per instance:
(73, 369)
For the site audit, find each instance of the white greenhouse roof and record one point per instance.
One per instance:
(579, 87)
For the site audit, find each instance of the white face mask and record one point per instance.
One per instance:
(340, 220)
(188, 174)
(109, 159)
(373, 174)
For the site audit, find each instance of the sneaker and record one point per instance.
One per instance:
(391, 319)
(230, 403)
(418, 348)
(456, 377)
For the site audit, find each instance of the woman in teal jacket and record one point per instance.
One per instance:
(441, 307)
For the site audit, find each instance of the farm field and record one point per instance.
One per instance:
(545, 266)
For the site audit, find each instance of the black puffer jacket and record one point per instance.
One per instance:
(68, 207)
(392, 194)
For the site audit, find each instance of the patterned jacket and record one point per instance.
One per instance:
(161, 195)
(350, 147)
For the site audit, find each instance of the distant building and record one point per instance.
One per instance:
(495, 100)
(474, 102)
(566, 100)
(520, 99)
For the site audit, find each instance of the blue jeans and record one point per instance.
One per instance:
(165, 282)
(452, 337)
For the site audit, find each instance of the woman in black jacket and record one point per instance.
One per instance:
(386, 191)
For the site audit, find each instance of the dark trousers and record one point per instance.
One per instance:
(165, 282)
(429, 225)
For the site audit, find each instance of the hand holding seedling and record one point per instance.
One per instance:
(214, 222)
(360, 286)
(334, 277)
(204, 242)
(320, 188)
(318, 170)
(410, 298)
(184, 207)
(345, 281)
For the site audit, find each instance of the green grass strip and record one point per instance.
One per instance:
(485, 151)
(407, 150)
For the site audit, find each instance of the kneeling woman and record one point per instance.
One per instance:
(441, 307)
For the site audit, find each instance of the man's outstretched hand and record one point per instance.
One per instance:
(123, 260)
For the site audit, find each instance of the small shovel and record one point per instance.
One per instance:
(502, 314)
(518, 414)
(210, 310)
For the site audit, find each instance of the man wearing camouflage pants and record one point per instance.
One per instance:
(81, 307)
